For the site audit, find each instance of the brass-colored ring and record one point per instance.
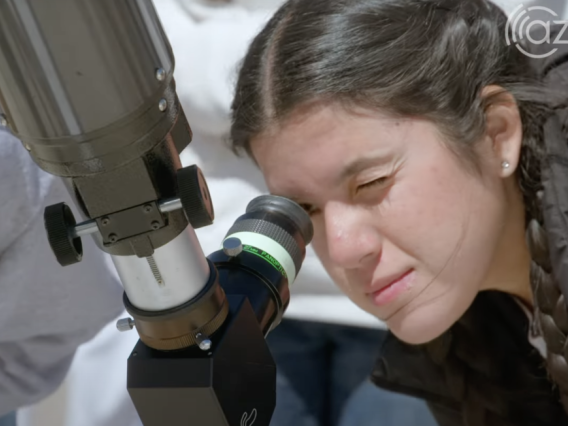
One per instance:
(176, 328)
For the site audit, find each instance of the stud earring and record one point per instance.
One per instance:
(505, 164)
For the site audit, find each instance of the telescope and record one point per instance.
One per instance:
(87, 86)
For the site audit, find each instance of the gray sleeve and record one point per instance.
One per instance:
(46, 311)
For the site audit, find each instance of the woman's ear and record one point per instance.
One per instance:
(503, 128)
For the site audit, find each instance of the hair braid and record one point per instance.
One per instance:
(485, 394)
(551, 314)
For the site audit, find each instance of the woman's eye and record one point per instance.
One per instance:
(308, 208)
(377, 182)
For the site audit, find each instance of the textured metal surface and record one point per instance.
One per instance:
(195, 197)
(288, 208)
(189, 338)
(236, 379)
(232, 247)
(274, 232)
(127, 223)
(90, 226)
(179, 326)
(69, 67)
(170, 205)
(203, 341)
(125, 324)
(80, 84)
(59, 221)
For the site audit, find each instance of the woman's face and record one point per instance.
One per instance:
(406, 230)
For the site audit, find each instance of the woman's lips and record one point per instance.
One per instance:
(387, 294)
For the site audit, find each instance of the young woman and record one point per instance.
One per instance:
(323, 332)
(413, 135)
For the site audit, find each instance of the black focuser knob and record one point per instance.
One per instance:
(59, 224)
(195, 197)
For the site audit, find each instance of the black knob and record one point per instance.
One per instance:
(195, 197)
(59, 223)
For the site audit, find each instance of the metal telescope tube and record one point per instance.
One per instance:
(87, 85)
(88, 88)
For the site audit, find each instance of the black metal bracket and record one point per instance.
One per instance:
(133, 222)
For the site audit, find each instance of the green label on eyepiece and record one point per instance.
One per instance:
(270, 250)
(266, 256)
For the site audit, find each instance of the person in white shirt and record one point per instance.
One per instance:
(46, 311)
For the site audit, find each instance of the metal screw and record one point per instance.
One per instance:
(105, 221)
(155, 270)
(125, 324)
(232, 246)
(203, 341)
(155, 225)
(3, 120)
(163, 104)
(148, 208)
(160, 74)
(113, 238)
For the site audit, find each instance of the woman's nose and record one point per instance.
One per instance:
(352, 240)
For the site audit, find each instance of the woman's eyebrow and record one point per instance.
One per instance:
(361, 164)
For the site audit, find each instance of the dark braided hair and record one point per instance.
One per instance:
(429, 59)
(551, 311)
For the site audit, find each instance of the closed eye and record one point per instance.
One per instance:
(377, 182)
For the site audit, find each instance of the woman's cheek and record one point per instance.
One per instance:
(319, 244)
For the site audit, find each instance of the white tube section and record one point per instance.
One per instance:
(175, 273)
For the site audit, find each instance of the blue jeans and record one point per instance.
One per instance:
(323, 379)
(8, 420)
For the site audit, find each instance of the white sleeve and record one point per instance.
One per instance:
(46, 311)
(208, 44)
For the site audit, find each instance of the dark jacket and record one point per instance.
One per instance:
(484, 371)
